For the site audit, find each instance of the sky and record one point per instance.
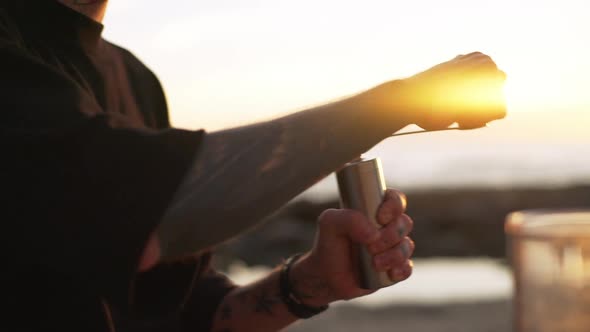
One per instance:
(225, 63)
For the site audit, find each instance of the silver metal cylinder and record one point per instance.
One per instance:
(362, 187)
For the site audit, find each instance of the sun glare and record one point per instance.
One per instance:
(254, 61)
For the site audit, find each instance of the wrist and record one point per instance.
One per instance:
(308, 285)
(389, 105)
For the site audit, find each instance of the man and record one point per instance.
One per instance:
(110, 214)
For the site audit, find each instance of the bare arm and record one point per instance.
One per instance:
(242, 175)
(255, 307)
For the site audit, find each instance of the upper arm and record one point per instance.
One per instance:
(83, 187)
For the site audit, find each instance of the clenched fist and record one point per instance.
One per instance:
(330, 271)
(467, 90)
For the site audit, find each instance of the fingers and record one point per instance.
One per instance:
(402, 272)
(481, 91)
(348, 223)
(395, 256)
(392, 234)
(353, 224)
(393, 205)
(390, 246)
(471, 122)
(479, 64)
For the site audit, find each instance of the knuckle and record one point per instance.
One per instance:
(402, 272)
(408, 222)
(396, 256)
(404, 225)
(328, 217)
(385, 213)
(407, 272)
(406, 249)
(388, 239)
(401, 199)
(394, 203)
(391, 234)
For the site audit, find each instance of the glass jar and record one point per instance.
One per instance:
(549, 252)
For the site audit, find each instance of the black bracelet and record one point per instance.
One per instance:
(294, 305)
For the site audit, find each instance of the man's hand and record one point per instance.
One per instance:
(467, 90)
(329, 272)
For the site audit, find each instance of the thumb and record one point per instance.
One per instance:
(346, 223)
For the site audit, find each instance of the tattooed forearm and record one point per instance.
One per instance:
(254, 307)
(265, 303)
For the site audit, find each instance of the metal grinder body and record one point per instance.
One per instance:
(362, 187)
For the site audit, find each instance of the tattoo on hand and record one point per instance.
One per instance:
(265, 302)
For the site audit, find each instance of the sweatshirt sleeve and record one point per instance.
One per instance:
(182, 295)
(83, 188)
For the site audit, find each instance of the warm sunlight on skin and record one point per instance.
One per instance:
(232, 62)
(478, 94)
(471, 96)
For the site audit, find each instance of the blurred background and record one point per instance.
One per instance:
(226, 63)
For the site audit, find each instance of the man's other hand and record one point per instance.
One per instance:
(467, 90)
